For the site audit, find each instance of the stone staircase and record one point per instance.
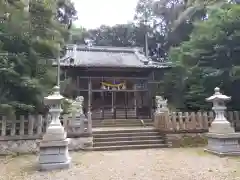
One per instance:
(122, 123)
(127, 138)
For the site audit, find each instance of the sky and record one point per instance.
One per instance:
(94, 13)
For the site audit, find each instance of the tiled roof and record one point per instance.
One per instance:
(105, 56)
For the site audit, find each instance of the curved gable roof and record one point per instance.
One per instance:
(105, 56)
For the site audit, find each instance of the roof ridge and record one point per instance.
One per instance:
(103, 48)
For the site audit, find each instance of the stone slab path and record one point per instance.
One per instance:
(154, 164)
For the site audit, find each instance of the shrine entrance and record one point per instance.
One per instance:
(115, 98)
(113, 105)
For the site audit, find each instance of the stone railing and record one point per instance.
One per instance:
(34, 126)
(22, 134)
(190, 121)
(24, 127)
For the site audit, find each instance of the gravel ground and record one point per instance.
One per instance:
(154, 164)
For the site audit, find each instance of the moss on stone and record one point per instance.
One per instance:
(197, 141)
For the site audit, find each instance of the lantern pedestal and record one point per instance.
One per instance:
(54, 155)
(54, 145)
(220, 125)
(222, 139)
(223, 144)
(55, 133)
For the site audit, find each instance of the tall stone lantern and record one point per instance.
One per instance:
(54, 145)
(220, 123)
(222, 139)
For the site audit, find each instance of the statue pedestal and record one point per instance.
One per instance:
(54, 149)
(54, 155)
(78, 127)
(223, 144)
(222, 139)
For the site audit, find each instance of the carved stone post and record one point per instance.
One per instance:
(161, 113)
(78, 121)
(77, 106)
(222, 139)
(54, 145)
(78, 127)
(161, 105)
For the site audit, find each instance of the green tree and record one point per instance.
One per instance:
(210, 57)
(28, 40)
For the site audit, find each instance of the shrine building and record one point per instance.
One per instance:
(116, 82)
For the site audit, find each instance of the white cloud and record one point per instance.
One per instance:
(93, 13)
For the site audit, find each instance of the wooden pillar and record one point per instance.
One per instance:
(89, 94)
(65, 74)
(102, 109)
(148, 101)
(135, 97)
(112, 101)
(89, 105)
(103, 102)
(125, 103)
(77, 82)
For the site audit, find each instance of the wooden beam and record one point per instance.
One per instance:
(133, 78)
(102, 90)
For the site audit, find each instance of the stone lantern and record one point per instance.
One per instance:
(220, 123)
(222, 139)
(54, 145)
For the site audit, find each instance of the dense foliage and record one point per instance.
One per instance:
(211, 57)
(201, 38)
(29, 39)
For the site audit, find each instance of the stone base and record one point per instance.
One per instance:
(82, 143)
(55, 133)
(54, 166)
(221, 126)
(223, 144)
(221, 154)
(54, 155)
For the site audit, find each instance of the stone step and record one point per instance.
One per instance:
(122, 120)
(113, 113)
(128, 142)
(120, 125)
(126, 134)
(123, 138)
(118, 112)
(124, 130)
(129, 138)
(129, 147)
(112, 116)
